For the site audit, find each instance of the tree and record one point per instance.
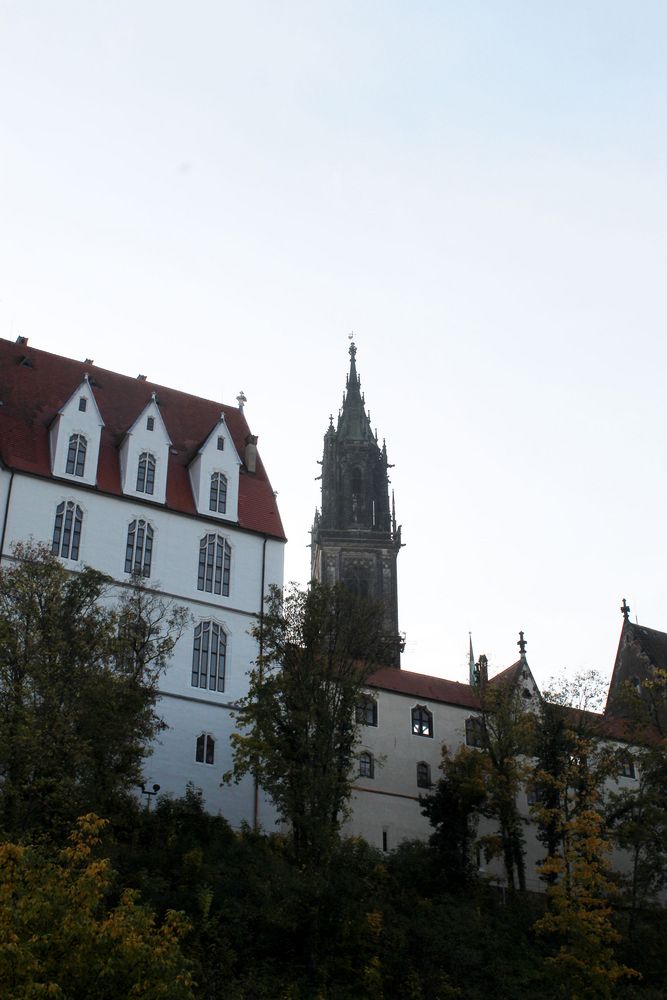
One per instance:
(59, 937)
(296, 728)
(506, 736)
(78, 690)
(571, 770)
(454, 809)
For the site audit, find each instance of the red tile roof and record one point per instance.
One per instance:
(34, 385)
(425, 687)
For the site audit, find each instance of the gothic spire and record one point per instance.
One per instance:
(353, 422)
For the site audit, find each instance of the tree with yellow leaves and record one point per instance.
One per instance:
(60, 938)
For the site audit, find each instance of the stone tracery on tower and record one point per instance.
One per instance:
(355, 540)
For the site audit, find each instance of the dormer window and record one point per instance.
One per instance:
(150, 423)
(221, 444)
(76, 455)
(218, 498)
(146, 473)
(83, 402)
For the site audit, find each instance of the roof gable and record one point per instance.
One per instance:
(33, 392)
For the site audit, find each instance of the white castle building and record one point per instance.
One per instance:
(127, 476)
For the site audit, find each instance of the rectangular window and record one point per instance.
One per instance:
(82, 404)
(221, 444)
(150, 423)
(366, 712)
(627, 766)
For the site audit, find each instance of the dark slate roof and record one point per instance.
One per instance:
(34, 385)
(639, 649)
(507, 676)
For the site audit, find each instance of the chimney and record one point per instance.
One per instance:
(483, 671)
(251, 453)
(22, 340)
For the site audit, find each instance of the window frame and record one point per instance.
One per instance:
(205, 749)
(214, 571)
(217, 500)
(139, 547)
(67, 530)
(424, 774)
(366, 711)
(366, 764)
(475, 732)
(422, 721)
(210, 650)
(75, 464)
(627, 766)
(146, 467)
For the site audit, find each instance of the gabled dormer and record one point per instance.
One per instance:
(214, 475)
(144, 455)
(74, 437)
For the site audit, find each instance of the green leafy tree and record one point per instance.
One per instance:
(572, 771)
(507, 730)
(78, 690)
(454, 809)
(297, 732)
(59, 937)
(637, 812)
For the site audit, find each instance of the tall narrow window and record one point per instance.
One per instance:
(209, 656)
(205, 752)
(139, 549)
(422, 721)
(83, 403)
(423, 774)
(76, 455)
(215, 560)
(218, 500)
(366, 765)
(67, 530)
(146, 473)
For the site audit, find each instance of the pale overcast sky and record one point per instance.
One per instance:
(215, 194)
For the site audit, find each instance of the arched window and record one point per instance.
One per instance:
(356, 481)
(209, 656)
(76, 455)
(366, 711)
(422, 721)
(366, 765)
(474, 731)
(205, 752)
(423, 774)
(67, 530)
(218, 499)
(146, 473)
(215, 560)
(139, 549)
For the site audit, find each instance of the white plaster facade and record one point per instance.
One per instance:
(29, 502)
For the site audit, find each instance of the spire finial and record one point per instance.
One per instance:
(241, 399)
(473, 676)
(522, 643)
(353, 359)
(625, 610)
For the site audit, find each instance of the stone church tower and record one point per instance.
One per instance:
(355, 540)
